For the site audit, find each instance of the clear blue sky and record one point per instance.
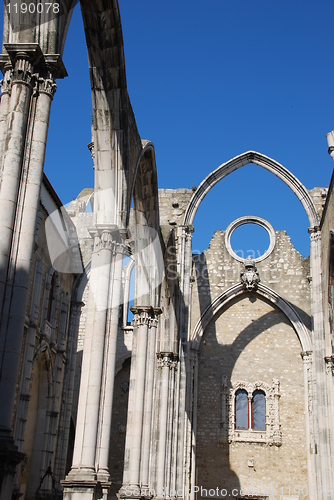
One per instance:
(209, 80)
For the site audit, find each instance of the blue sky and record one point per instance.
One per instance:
(209, 80)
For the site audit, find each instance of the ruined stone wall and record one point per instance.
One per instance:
(172, 206)
(284, 270)
(318, 195)
(251, 341)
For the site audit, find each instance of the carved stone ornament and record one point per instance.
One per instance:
(47, 86)
(167, 360)
(250, 277)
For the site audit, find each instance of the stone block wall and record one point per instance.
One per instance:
(172, 206)
(284, 270)
(251, 341)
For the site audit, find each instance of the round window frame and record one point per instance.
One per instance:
(250, 219)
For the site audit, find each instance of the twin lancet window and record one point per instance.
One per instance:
(250, 410)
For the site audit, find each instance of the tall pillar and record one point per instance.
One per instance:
(109, 367)
(321, 420)
(309, 416)
(166, 362)
(27, 127)
(89, 474)
(185, 266)
(131, 487)
(148, 403)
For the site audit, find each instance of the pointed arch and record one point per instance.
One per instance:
(262, 161)
(263, 291)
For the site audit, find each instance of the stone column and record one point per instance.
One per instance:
(92, 363)
(133, 442)
(20, 247)
(321, 421)
(109, 366)
(17, 112)
(148, 403)
(185, 266)
(89, 474)
(141, 323)
(309, 415)
(27, 127)
(166, 362)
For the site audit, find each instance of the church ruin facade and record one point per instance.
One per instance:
(219, 382)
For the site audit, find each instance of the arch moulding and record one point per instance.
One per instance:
(262, 161)
(263, 291)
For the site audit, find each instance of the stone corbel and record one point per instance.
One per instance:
(306, 357)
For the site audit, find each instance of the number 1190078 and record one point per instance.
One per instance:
(32, 8)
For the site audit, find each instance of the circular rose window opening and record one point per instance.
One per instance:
(250, 236)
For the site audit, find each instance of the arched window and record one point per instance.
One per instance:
(259, 410)
(241, 409)
(250, 412)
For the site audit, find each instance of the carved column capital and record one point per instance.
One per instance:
(167, 360)
(315, 233)
(108, 237)
(307, 357)
(142, 315)
(23, 73)
(187, 231)
(46, 86)
(146, 315)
